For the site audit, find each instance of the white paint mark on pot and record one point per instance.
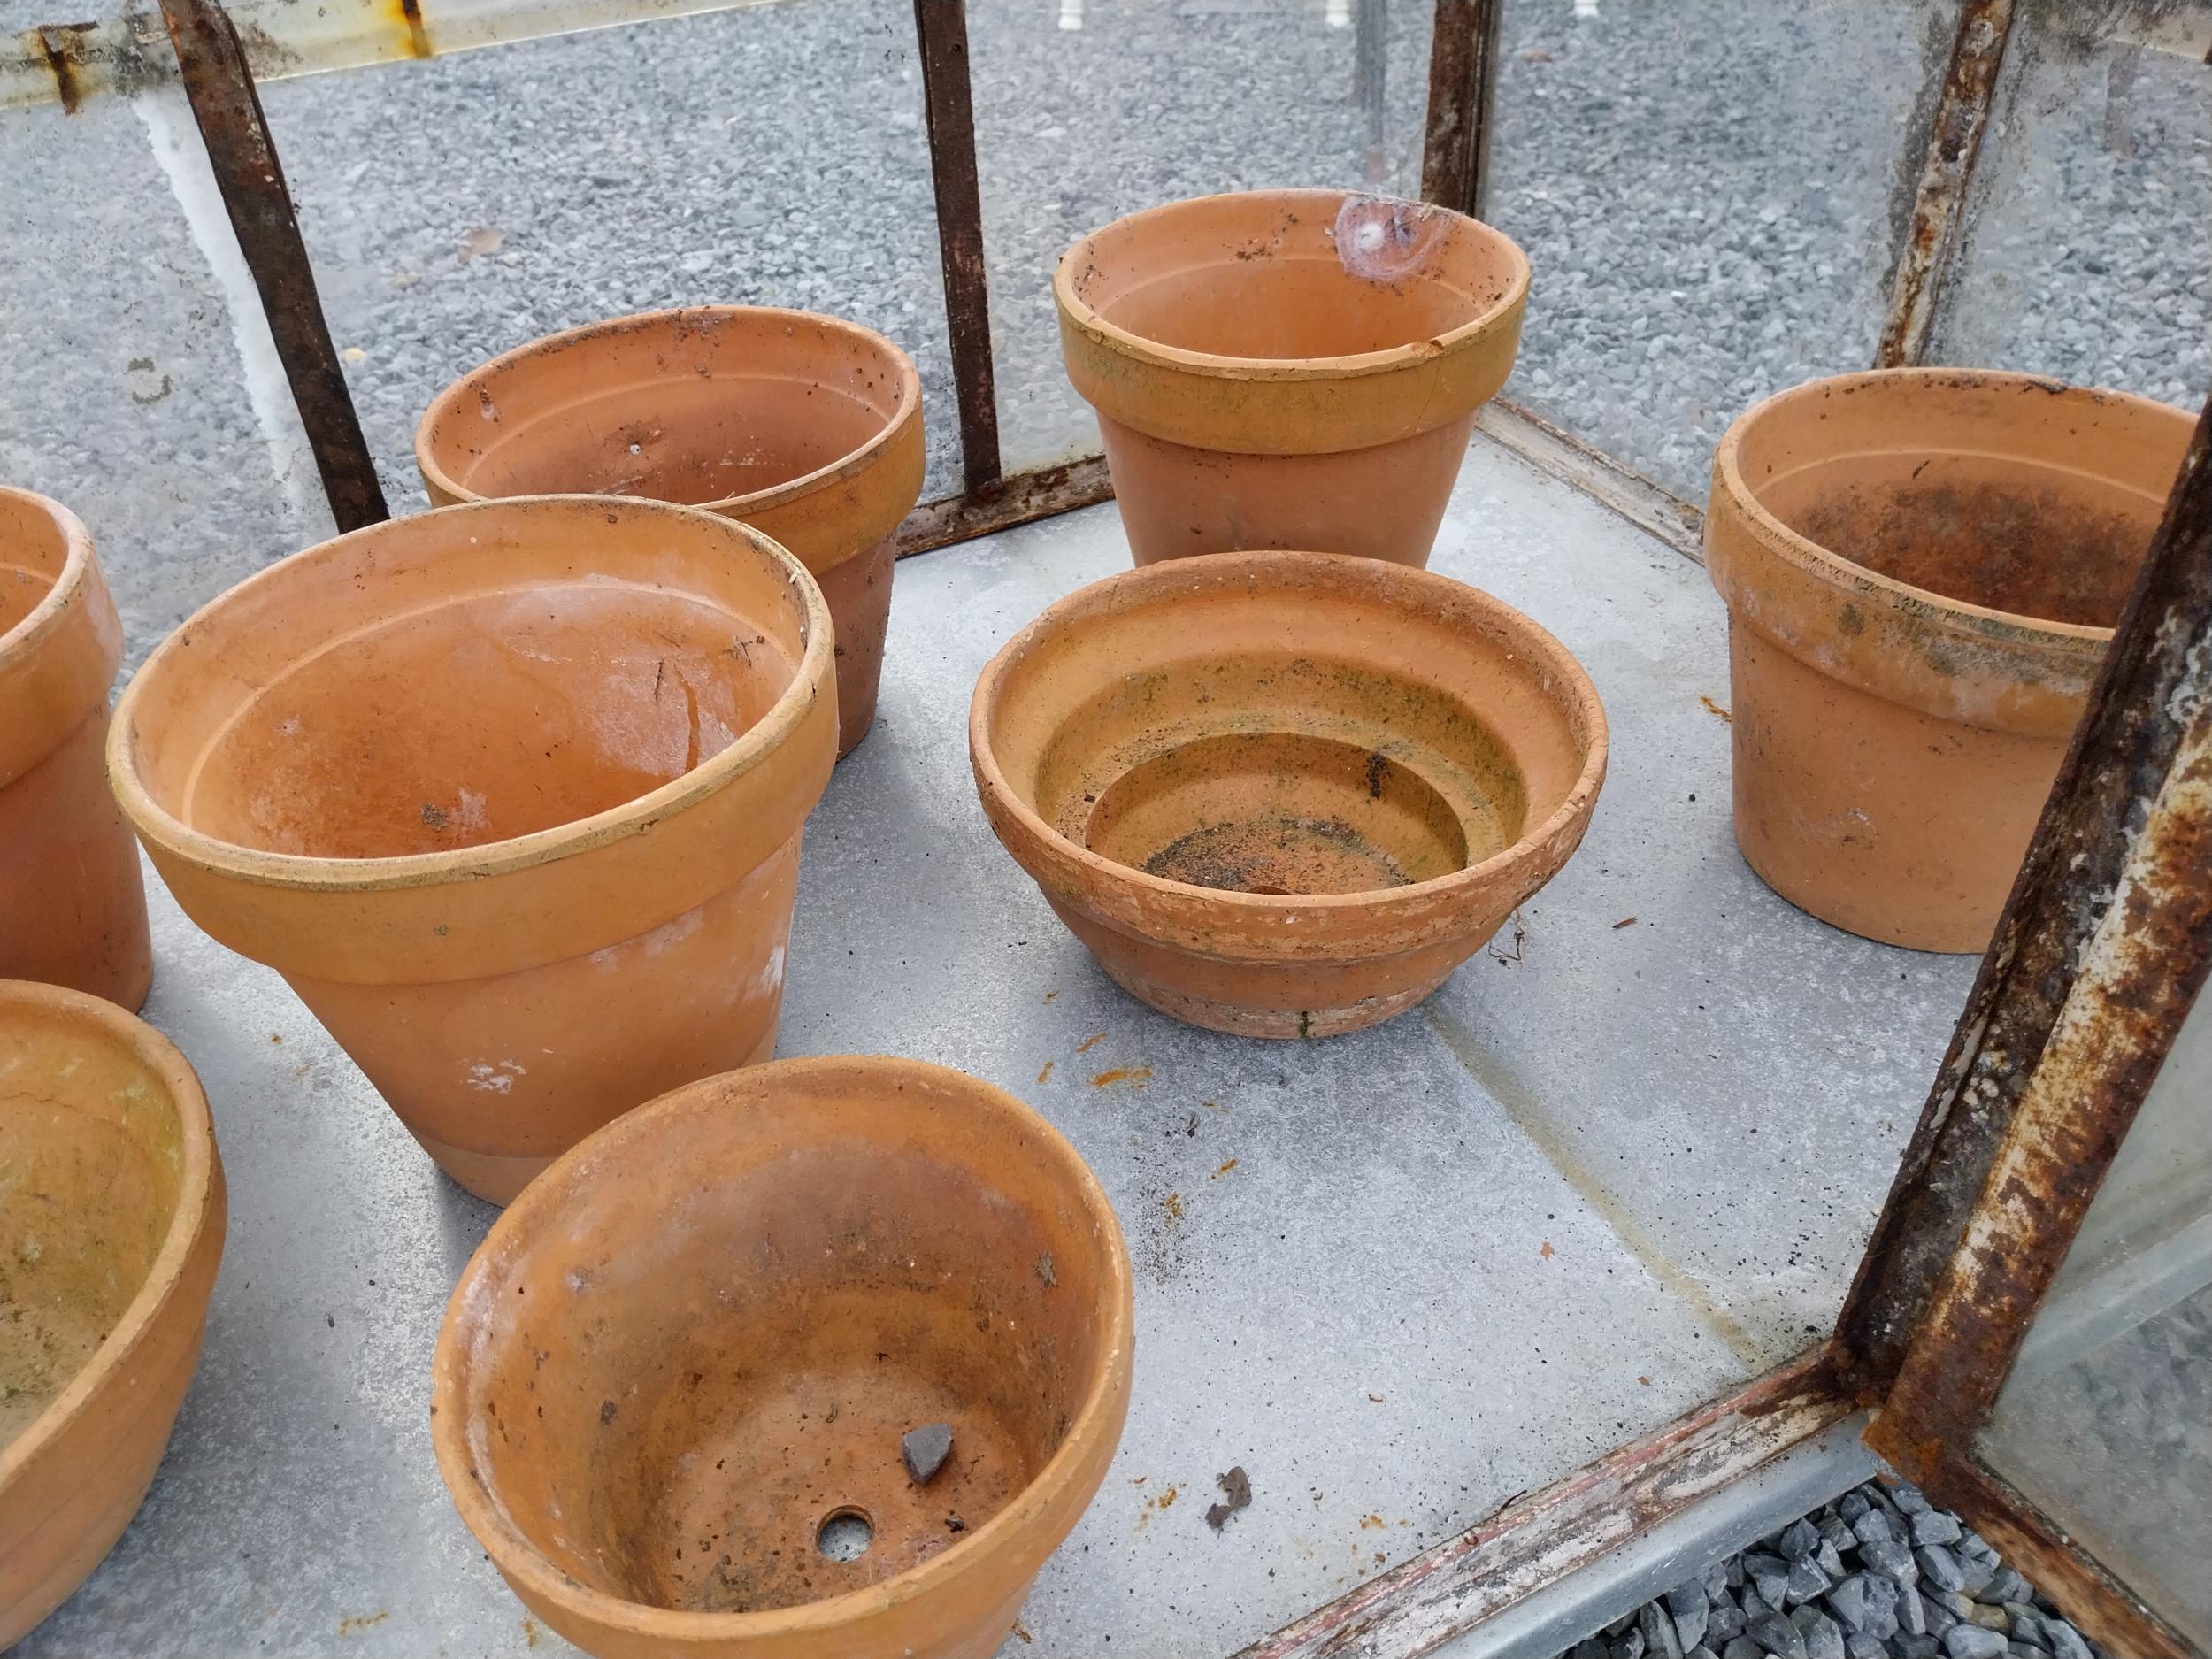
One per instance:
(499, 1078)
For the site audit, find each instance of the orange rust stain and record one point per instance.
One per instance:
(1022, 1632)
(1224, 1169)
(1547, 1252)
(1046, 1073)
(1625, 921)
(1367, 1522)
(1715, 709)
(529, 1630)
(1165, 1498)
(1174, 1207)
(359, 1622)
(1089, 1043)
(1051, 994)
(1645, 1380)
(1135, 1076)
(1140, 1480)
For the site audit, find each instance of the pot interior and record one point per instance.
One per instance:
(34, 551)
(1272, 772)
(491, 716)
(689, 1392)
(93, 1153)
(2039, 541)
(700, 411)
(1292, 275)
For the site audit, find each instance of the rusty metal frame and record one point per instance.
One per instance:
(1931, 235)
(940, 30)
(2102, 948)
(1538, 1538)
(1462, 99)
(220, 86)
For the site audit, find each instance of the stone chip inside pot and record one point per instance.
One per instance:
(925, 1449)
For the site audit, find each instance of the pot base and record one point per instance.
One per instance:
(1241, 1019)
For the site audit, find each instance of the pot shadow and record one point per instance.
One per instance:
(463, 1219)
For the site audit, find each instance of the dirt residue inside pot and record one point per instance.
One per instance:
(1280, 812)
(2054, 552)
(495, 716)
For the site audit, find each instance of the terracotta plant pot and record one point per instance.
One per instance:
(1285, 795)
(672, 1386)
(510, 794)
(808, 428)
(1288, 368)
(1923, 568)
(110, 1227)
(73, 907)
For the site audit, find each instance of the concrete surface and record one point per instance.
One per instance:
(1604, 1175)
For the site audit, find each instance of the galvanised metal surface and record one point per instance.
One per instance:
(1608, 1173)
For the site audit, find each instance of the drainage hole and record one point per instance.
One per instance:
(845, 1534)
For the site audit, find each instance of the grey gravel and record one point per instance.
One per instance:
(1884, 1599)
(1657, 1625)
(1970, 1641)
(1824, 1637)
(1778, 1636)
(1940, 1567)
(1690, 1606)
(1935, 1526)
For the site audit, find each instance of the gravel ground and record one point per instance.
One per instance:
(1878, 1573)
(1706, 189)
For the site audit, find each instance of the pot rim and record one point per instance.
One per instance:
(77, 571)
(516, 1555)
(849, 465)
(198, 1198)
(1353, 366)
(1578, 692)
(314, 872)
(2013, 628)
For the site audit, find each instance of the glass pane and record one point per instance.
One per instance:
(2088, 254)
(138, 385)
(1089, 109)
(1706, 192)
(770, 155)
(2106, 1422)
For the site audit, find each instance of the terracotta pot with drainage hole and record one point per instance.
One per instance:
(112, 1220)
(671, 1389)
(1288, 368)
(806, 428)
(510, 794)
(72, 906)
(1923, 568)
(1285, 795)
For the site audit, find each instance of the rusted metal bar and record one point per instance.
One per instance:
(1463, 88)
(1648, 505)
(2102, 947)
(1931, 233)
(1017, 499)
(2042, 1551)
(941, 27)
(247, 171)
(1537, 1539)
(127, 51)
